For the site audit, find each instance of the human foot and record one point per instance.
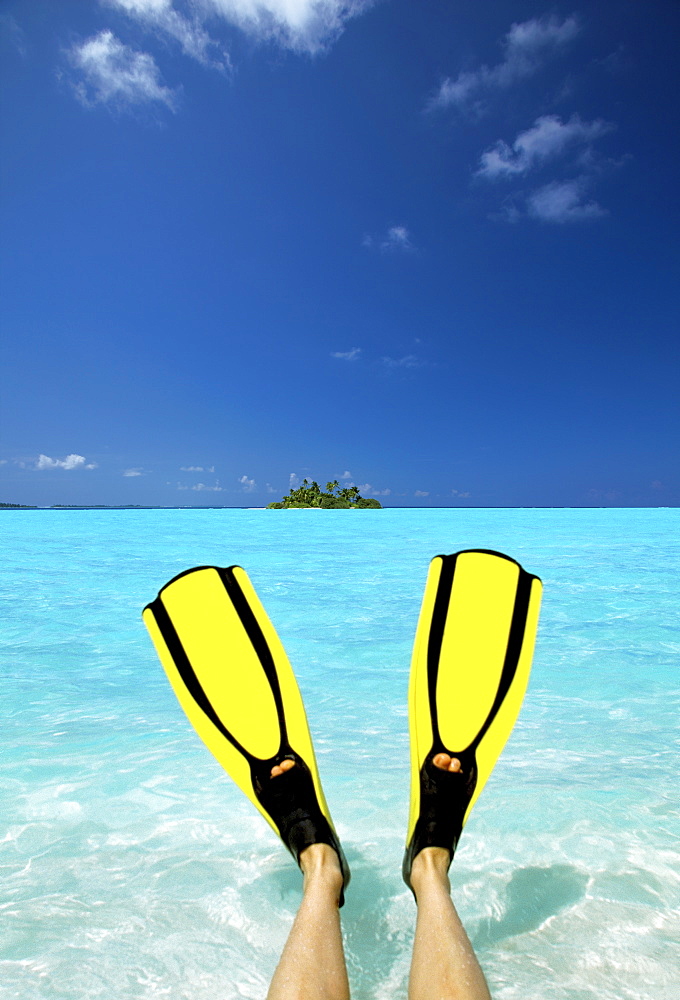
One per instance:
(434, 862)
(316, 856)
(290, 797)
(447, 784)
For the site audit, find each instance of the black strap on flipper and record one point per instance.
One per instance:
(300, 825)
(257, 640)
(445, 795)
(436, 638)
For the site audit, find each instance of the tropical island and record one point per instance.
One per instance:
(336, 497)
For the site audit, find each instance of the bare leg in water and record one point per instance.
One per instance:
(312, 966)
(444, 966)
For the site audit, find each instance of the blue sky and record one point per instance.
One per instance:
(427, 248)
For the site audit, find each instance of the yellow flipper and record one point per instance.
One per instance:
(233, 679)
(470, 667)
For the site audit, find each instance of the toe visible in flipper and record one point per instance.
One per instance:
(470, 667)
(232, 677)
(444, 799)
(290, 800)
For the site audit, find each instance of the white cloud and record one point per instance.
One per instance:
(407, 361)
(293, 481)
(562, 201)
(346, 474)
(528, 40)
(15, 34)
(364, 487)
(397, 238)
(302, 25)
(248, 485)
(70, 462)
(270, 489)
(161, 16)
(201, 487)
(309, 26)
(194, 468)
(116, 74)
(509, 212)
(421, 493)
(381, 493)
(461, 496)
(527, 46)
(347, 355)
(132, 472)
(546, 139)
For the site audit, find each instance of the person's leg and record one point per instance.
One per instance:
(312, 966)
(444, 966)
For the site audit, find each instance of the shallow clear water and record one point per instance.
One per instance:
(130, 866)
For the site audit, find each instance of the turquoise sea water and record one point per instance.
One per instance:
(131, 868)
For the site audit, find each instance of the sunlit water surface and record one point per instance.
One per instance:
(133, 869)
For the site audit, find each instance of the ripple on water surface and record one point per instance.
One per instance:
(132, 868)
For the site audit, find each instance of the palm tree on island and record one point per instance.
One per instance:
(311, 495)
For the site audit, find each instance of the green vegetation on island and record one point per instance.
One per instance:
(336, 497)
(17, 506)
